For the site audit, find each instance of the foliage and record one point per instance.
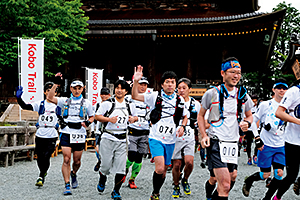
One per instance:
(61, 22)
(260, 82)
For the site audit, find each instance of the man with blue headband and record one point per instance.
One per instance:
(230, 109)
(271, 145)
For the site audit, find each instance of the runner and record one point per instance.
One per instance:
(138, 136)
(46, 134)
(185, 145)
(115, 114)
(104, 94)
(271, 149)
(78, 115)
(228, 106)
(290, 103)
(167, 108)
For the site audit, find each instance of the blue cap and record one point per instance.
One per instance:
(230, 64)
(280, 83)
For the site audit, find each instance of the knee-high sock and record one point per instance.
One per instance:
(128, 164)
(118, 181)
(209, 189)
(158, 181)
(274, 185)
(136, 168)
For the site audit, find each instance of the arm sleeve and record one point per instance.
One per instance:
(24, 105)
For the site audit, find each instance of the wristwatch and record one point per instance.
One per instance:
(183, 127)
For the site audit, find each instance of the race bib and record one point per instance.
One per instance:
(189, 133)
(229, 152)
(48, 119)
(165, 131)
(77, 138)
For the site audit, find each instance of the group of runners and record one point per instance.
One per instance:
(166, 123)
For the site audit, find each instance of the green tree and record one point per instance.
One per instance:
(61, 22)
(260, 82)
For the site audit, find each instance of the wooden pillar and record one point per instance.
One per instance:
(189, 71)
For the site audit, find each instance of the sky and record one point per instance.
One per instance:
(268, 5)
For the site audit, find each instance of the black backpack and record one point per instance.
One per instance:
(155, 114)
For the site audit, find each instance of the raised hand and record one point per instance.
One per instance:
(19, 91)
(138, 73)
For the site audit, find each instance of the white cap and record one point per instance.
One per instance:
(75, 83)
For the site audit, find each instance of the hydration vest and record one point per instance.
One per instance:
(108, 113)
(82, 111)
(155, 114)
(217, 106)
(42, 111)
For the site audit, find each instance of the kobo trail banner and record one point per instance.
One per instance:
(32, 69)
(94, 84)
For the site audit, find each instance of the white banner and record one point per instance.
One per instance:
(94, 83)
(32, 69)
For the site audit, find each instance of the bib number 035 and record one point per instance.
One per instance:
(229, 152)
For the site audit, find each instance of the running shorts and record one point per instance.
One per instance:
(184, 148)
(270, 155)
(157, 148)
(138, 144)
(65, 142)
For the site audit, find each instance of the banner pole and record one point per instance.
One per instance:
(19, 73)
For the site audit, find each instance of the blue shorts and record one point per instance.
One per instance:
(157, 148)
(270, 155)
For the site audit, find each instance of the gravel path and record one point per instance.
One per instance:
(18, 182)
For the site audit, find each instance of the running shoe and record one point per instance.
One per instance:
(74, 180)
(97, 166)
(186, 187)
(296, 187)
(208, 198)
(100, 187)
(116, 196)
(154, 197)
(249, 161)
(176, 192)
(67, 189)
(275, 198)
(246, 188)
(255, 160)
(131, 184)
(39, 182)
(152, 160)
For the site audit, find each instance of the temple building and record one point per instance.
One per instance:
(185, 36)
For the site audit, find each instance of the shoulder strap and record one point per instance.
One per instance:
(241, 98)
(128, 106)
(42, 107)
(113, 101)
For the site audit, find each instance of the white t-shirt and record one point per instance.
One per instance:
(141, 110)
(165, 129)
(266, 114)
(121, 112)
(73, 115)
(229, 130)
(289, 101)
(189, 134)
(49, 118)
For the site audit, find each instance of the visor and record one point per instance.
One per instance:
(276, 85)
(75, 83)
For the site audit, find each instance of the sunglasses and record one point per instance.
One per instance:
(281, 87)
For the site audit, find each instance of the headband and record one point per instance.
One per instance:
(230, 64)
(280, 83)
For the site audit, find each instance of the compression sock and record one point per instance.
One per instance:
(158, 181)
(128, 164)
(136, 168)
(102, 179)
(274, 185)
(254, 177)
(232, 184)
(119, 179)
(209, 189)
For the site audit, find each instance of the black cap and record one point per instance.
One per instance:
(105, 90)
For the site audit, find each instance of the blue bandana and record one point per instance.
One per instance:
(76, 98)
(170, 97)
(230, 64)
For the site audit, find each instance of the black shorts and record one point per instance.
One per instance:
(214, 158)
(45, 146)
(65, 142)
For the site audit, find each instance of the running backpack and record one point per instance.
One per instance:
(42, 111)
(108, 113)
(155, 114)
(217, 107)
(82, 111)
